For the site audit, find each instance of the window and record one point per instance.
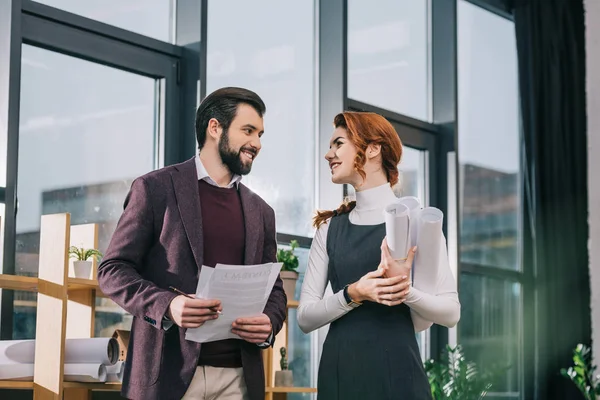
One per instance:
(75, 116)
(388, 55)
(491, 326)
(489, 138)
(153, 18)
(262, 51)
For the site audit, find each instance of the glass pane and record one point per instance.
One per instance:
(413, 176)
(24, 313)
(491, 330)
(299, 343)
(488, 138)
(70, 124)
(388, 55)
(275, 58)
(148, 17)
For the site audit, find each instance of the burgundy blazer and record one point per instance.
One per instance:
(158, 243)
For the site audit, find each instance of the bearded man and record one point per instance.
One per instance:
(177, 220)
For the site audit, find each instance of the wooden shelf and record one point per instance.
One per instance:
(30, 283)
(7, 384)
(92, 386)
(282, 389)
(293, 304)
(17, 282)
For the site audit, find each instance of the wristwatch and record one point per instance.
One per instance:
(349, 301)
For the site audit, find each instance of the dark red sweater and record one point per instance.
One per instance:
(224, 235)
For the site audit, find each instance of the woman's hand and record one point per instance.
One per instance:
(393, 267)
(374, 287)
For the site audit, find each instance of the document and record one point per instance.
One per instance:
(397, 229)
(243, 291)
(407, 224)
(426, 266)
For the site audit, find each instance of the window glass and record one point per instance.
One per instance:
(275, 58)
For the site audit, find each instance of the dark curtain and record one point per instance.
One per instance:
(551, 56)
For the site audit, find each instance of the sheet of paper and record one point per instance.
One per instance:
(85, 372)
(414, 206)
(243, 291)
(427, 260)
(92, 350)
(73, 372)
(114, 373)
(397, 229)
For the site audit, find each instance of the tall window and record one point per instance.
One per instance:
(491, 327)
(388, 55)
(72, 123)
(268, 46)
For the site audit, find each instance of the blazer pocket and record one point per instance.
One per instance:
(146, 346)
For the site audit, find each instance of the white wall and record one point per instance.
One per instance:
(592, 21)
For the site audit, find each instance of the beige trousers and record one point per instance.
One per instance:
(211, 383)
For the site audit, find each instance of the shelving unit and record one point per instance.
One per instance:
(271, 359)
(65, 308)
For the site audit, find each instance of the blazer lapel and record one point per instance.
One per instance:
(252, 221)
(185, 183)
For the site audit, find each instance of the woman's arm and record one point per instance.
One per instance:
(314, 310)
(443, 307)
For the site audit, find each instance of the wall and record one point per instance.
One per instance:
(592, 21)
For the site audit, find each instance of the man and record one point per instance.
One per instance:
(176, 220)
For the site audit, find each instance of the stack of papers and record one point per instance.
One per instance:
(243, 291)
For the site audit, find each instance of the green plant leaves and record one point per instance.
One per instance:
(456, 378)
(582, 373)
(288, 258)
(82, 254)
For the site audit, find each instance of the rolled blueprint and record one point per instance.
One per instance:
(114, 373)
(397, 229)
(73, 372)
(414, 206)
(85, 372)
(16, 372)
(429, 242)
(82, 351)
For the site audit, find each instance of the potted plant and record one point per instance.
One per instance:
(285, 377)
(582, 373)
(455, 378)
(288, 273)
(82, 265)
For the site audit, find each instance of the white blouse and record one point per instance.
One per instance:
(316, 309)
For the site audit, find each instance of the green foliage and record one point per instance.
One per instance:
(283, 362)
(288, 258)
(582, 373)
(455, 378)
(81, 254)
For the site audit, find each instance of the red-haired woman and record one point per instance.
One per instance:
(371, 351)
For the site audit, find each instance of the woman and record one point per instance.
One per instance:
(371, 351)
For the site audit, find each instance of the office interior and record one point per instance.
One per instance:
(494, 100)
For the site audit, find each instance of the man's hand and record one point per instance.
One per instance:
(192, 313)
(253, 329)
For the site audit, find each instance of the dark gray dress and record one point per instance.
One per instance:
(371, 353)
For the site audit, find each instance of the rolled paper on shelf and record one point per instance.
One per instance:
(414, 206)
(85, 372)
(114, 373)
(429, 242)
(83, 351)
(397, 229)
(16, 372)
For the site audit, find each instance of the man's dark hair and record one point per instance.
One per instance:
(222, 105)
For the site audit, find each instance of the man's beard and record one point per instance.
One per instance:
(233, 159)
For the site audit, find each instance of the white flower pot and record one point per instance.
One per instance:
(82, 269)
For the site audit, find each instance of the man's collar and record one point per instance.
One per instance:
(203, 175)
